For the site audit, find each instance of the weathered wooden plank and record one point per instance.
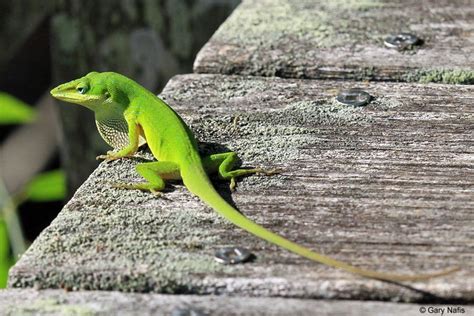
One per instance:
(344, 40)
(58, 302)
(388, 186)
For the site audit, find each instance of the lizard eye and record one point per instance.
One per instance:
(81, 89)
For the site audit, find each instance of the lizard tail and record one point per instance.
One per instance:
(199, 184)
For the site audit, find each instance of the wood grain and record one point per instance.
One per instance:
(344, 40)
(387, 186)
(58, 302)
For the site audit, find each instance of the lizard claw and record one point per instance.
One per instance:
(123, 186)
(103, 157)
(107, 157)
(232, 184)
(270, 172)
(158, 194)
(139, 186)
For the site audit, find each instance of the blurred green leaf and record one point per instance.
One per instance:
(47, 186)
(14, 111)
(5, 261)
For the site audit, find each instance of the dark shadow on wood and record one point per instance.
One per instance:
(428, 297)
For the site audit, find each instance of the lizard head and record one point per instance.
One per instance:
(89, 91)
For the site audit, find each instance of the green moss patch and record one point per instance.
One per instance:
(447, 76)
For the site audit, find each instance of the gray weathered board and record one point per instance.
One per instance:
(344, 40)
(60, 303)
(387, 186)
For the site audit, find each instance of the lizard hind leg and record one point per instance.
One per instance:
(223, 165)
(155, 173)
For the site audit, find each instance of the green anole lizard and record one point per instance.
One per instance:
(128, 115)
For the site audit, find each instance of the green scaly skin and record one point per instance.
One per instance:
(127, 115)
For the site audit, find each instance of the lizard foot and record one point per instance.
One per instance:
(126, 186)
(108, 157)
(111, 156)
(139, 186)
(270, 172)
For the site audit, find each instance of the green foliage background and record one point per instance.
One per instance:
(44, 187)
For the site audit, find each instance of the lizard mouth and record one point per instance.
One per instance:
(64, 94)
(68, 97)
(71, 95)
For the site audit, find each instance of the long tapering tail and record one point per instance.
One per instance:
(198, 183)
